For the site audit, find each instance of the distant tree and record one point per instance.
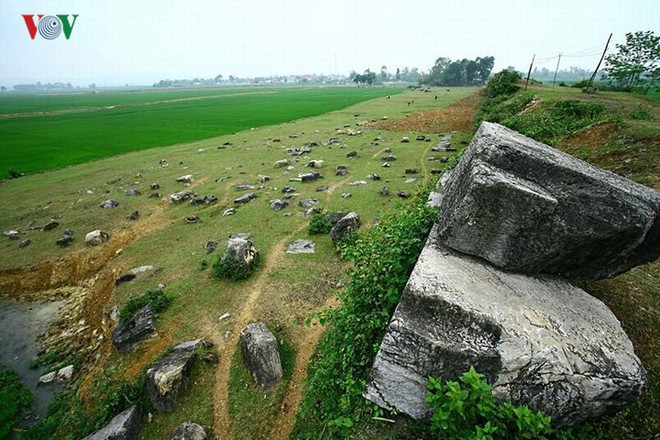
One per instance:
(484, 68)
(446, 72)
(218, 78)
(397, 76)
(231, 78)
(383, 73)
(637, 60)
(3, 88)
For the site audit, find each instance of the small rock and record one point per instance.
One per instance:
(288, 190)
(154, 186)
(309, 177)
(420, 137)
(96, 237)
(125, 426)
(133, 215)
(246, 198)
(386, 165)
(308, 203)
(210, 246)
(224, 316)
(189, 431)
(211, 358)
(281, 163)
(261, 355)
(411, 171)
(348, 225)
(321, 188)
(358, 183)
(244, 187)
(301, 247)
(384, 191)
(278, 204)
(404, 194)
(110, 203)
(192, 219)
(411, 180)
(405, 140)
(181, 196)
(346, 195)
(50, 225)
(352, 154)
(389, 158)
(25, 243)
(188, 178)
(12, 235)
(373, 176)
(189, 345)
(230, 211)
(132, 192)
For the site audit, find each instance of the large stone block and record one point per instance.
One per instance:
(167, 379)
(527, 207)
(141, 326)
(539, 340)
(124, 426)
(261, 354)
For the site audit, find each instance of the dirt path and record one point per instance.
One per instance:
(284, 422)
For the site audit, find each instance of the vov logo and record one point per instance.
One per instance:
(49, 26)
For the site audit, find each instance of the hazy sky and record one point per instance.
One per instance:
(141, 41)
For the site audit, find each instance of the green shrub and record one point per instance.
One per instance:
(466, 409)
(14, 397)
(503, 83)
(641, 112)
(233, 269)
(319, 224)
(503, 107)
(556, 120)
(157, 300)
(383, 258)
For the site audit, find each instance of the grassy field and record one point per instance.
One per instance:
(43, 132)
(284, 291)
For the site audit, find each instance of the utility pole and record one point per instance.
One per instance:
(556, 70)
(591, 80)
(529, 72)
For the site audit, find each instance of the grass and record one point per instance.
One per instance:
(40, 142)
(14, 398)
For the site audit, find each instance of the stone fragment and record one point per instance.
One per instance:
(189, 431)
(348, 225)
(278, 204)
(384, 191)
(167, 379)
(12, 234)
(25, 243)
(179, 197)
(96, 237)
(539, 340)
(188, 178)
(132, 192)
(308, 203)
(245, 198)
(527, 207)
(301, 247)
(230, 211)
(50, 225)
(261, 355)
(389, 158)
(141, 326)
(124, 426)
(110, 203)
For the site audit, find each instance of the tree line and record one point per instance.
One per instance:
(446, 72)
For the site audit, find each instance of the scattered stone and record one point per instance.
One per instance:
(110, 203)
(61, 375)
(96, 237)
(228, 144)
(192, 345)
(141, 269)
(411, 180)
(309, 177)
(431, 159)
(154, 186)
(527, 207)
(133, 215)
(373, 176)
(12, 235)
(348, 225)
(420, 137)
(444, 159)
(202, 150)
(308, 203)
(315, 164)
(167, 379)
(341, 171)
(384, 191)
(141, 326)
(301, 247)
(65, 239)
(124, 426)
(189, 431)
(188, 178)
(405, 140)
(540, 341)
(352, 154)
(358, 183)
(25, 243)
(132, 192)
(404, 194)
(211, 358)
(411, 171)
(181, 196)
(334, 217)
(389, 158)
(278, 204)
(210, 246)
(246, 198)
(281, 163)
(334, 140)
(263, 179)
(321, 188)
(346, 195)
(230, 211)
(386, 165)
(241, 250)
(224, 316)
(192, 219)
(436, 171)
(50, 225)
(288, 190)
(244, 187)
(125, 278)
(261, 355)
(154, 195)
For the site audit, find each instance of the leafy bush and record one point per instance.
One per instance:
(232, 269)
(319, 224)
(503, 107)
(503, 83)
(553, 121)
(466, 409)
(13, 398)
(157, 300)
(641, 112)
(383, 258)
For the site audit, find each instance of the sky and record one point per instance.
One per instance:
(138, 42)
